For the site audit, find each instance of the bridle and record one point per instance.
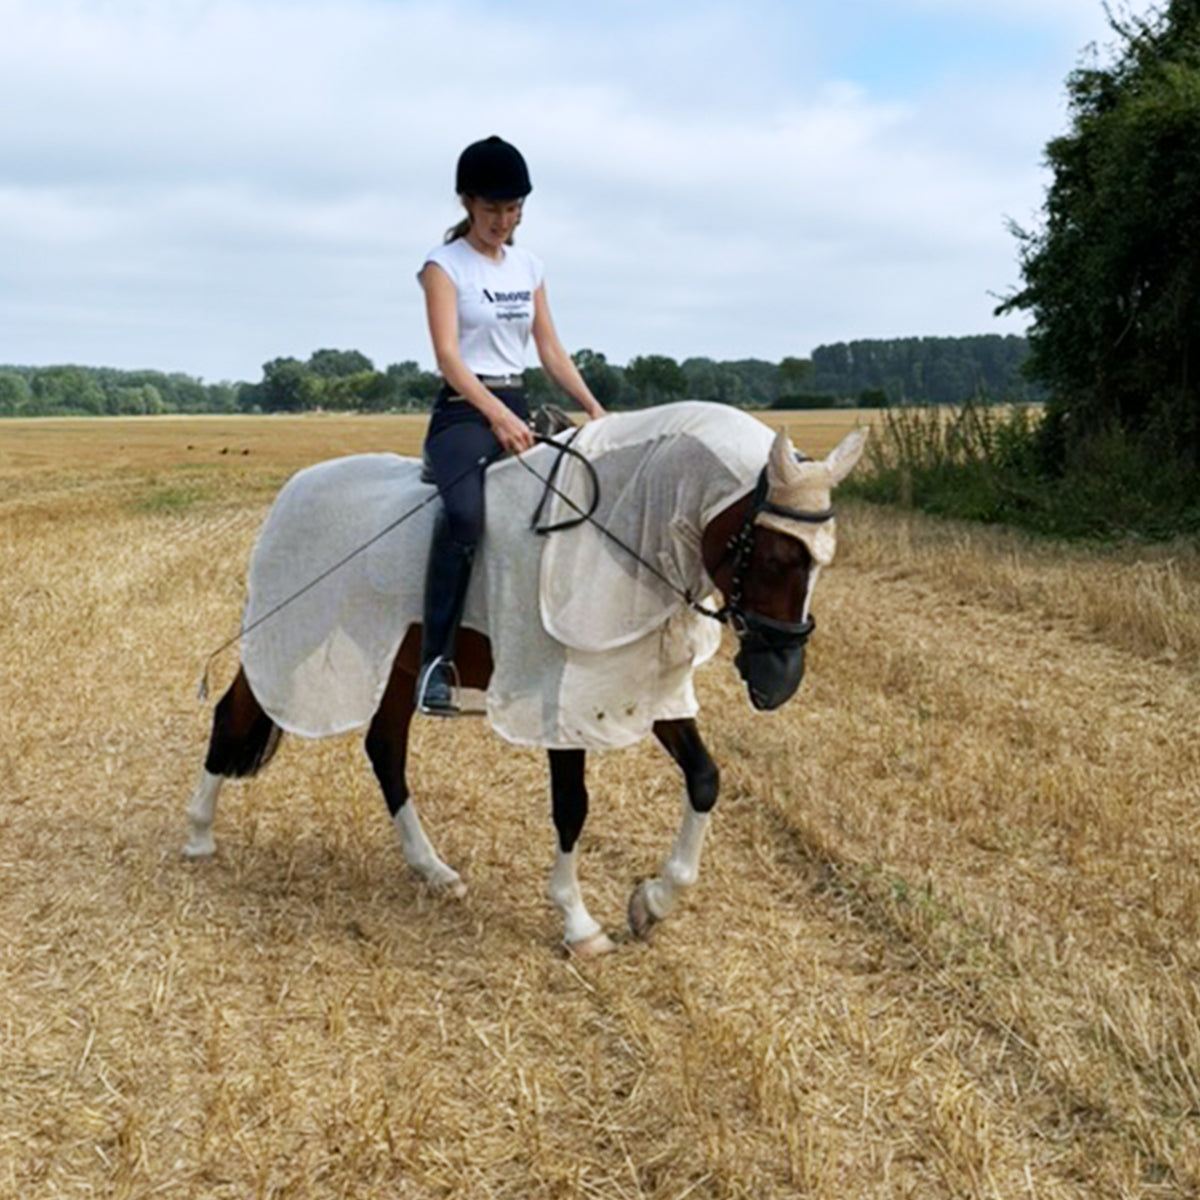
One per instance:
(766, 632)
(744, 621)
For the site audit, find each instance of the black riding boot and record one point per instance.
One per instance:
(446, 579)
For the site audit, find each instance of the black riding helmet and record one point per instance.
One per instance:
(492, 170)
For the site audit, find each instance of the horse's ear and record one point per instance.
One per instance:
(782, 469)
(845, 454)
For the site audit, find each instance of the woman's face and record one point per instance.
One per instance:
(492, 221)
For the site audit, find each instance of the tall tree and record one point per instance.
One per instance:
(336, 364)
(703, 378)
(287, 386)
(602, 378)
(14, 392)
(410, 387)
(795, 374)
(656, 378)
(1112, 279)
(929, 370)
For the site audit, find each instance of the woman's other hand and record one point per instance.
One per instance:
(512, 433)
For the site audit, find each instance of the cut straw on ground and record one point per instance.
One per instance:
(944, 942)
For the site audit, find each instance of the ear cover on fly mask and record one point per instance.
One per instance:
(807, 486)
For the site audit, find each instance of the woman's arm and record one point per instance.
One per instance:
(556, 361)
(441, 309)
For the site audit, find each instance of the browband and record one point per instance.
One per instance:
(761, 504)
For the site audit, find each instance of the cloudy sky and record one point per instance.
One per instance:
(203, 185)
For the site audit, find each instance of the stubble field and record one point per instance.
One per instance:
(944, 943)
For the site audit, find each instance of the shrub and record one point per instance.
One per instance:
(999, 464)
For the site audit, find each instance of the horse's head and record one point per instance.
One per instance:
(765, 552)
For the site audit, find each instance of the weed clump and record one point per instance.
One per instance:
(1006, 464)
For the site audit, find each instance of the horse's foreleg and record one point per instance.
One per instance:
(242, 742)
(653, 899)
(569, 802)
(387, 748)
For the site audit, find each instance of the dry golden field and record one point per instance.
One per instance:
(944, 943)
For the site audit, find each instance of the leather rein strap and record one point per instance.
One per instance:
(732, 613)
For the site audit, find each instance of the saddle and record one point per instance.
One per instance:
(546, 421)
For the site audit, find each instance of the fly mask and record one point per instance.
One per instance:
(793, 498)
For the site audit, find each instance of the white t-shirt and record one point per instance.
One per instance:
(495, 304)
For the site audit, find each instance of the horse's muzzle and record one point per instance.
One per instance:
(770, 659)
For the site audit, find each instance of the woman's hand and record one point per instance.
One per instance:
(511, 432)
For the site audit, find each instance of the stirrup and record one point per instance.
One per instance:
(440, 700)
(463, 702)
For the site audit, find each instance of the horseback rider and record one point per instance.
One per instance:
(484, 296)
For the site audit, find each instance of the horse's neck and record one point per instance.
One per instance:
(685, 478)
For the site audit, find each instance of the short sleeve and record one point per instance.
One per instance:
(447, 260)
(537, 270)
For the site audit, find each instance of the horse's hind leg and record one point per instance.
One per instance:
(387, 748)
(653, 899)
(242, 742)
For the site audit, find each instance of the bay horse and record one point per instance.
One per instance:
(762, 550)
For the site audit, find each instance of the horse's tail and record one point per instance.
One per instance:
(244, 739)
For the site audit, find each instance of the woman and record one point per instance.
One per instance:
(483, 297)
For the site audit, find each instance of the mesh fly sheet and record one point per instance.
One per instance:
(590, 648)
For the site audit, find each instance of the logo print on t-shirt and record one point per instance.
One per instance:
(511, 306)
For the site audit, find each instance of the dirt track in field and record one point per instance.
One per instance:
(944, 942)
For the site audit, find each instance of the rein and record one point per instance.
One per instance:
(565, 449)
(202, 691)
(732, 613)
(740, 619)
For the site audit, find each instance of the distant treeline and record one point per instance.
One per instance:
(847, 374)
(106, 391)
(929, 370)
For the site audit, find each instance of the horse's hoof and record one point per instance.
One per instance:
(591, 947)
(200, 845)
(447, 882)
(641, 919)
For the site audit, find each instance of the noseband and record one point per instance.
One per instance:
(746, 623)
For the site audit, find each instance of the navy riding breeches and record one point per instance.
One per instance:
(459, 436)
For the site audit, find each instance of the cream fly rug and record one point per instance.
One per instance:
(590, 647)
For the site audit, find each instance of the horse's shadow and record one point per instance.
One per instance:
(280, 886)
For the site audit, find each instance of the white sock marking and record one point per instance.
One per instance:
(202, 812)
(419, 852)
(682, 867)
(564, 891)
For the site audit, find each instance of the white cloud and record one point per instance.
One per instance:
(208, 184)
